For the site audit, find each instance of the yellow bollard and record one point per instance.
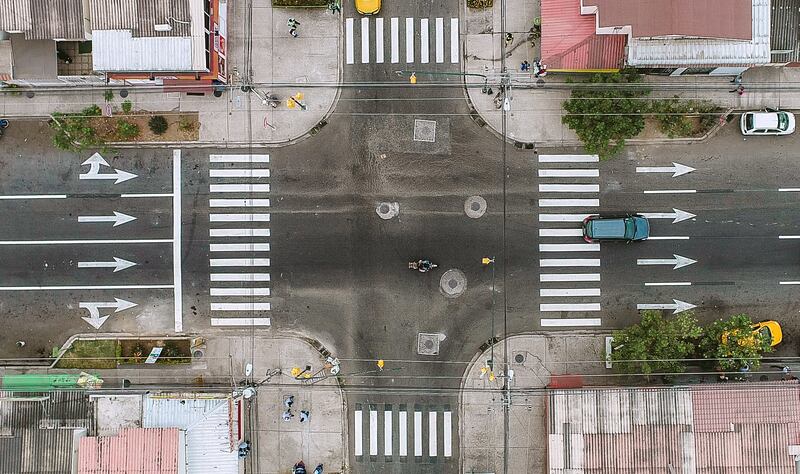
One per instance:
(413, 78)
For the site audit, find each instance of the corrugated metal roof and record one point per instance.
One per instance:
(114, 14)
(140, 16)
(118, 50)
(56, 19)
(208, 424)
(677, 52)
(569, 41)
(133, 451)
(15, 15)
(785, 30)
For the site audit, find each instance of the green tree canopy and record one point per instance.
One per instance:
(602, 115)
(734, 343)
(656, 344)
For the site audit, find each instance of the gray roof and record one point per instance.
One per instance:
(140, 16)
(43, 19)
(38, 436)
(784, 30)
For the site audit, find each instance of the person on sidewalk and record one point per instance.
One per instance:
(739, 90)
(304, 415)
(299, 468)
(509, 39)
(288, 401)
(293, 24)
(737, 80)
(525, 66)
(335, 7)
(318, 469)
(288, 415)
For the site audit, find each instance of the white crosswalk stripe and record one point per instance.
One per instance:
(242, 286)
(370, 31)
(555, 173)
(389, 427)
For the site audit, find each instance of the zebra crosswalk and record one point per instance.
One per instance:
(418, 37)
(566, 186)
(238, 247)
(388, 431)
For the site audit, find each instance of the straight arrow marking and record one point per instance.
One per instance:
(677, 215)
(118, 264)
(678, 306)
(118, 218)
(676, 169)
(678, 261)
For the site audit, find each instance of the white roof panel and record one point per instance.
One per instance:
(119, 51)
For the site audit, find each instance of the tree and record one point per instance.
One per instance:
(603, 117)
(158, 124)
(656, 344)
(735, 345)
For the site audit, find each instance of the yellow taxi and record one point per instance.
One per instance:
(770, 329)
(368, 7)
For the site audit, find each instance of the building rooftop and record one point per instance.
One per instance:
(133, 451)
(785, 31)
(44, 19)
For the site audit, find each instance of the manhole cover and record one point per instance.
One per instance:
(387, 210)
(428, 344)
(475, 206)
(519, 358)
(424, 130)
(453, 283)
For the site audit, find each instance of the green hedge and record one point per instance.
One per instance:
(300, 3)
(480, 3)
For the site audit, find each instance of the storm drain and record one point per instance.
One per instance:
(428, 344)
(475, 206)
(424, 130)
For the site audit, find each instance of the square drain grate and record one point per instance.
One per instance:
(424, 130)
(428, 344)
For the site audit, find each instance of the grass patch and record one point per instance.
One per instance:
(97, 354)
(300, 3)
(480, 3)
(175, 351)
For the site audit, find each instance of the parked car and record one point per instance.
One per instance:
(368, 7)
(628, 228)
(767, 122)
(770, 329)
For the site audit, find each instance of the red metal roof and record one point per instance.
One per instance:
(569, 41)
(133, 451)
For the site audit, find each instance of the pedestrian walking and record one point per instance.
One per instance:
(304, 415)
(525, 66)
(318, 469)
(509, 38)
(288, 401)
(293, 24)
(737, 80)
(783, 368)
(288, 415)
(739, 90)
(334, 7)
(20, 343)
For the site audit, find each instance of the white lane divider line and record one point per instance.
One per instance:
(573, 322)
(240, 306)
(87, 287)
(440, 40)
(424, 41)
(387, 432)
(402, 421)
(569, 247)
(239, 291)
(563, 217)
(569, 202)
(364, 40)
(238, 202)
(433, 449)
(789, 190)
(238, 158)
(789, 282)
(555, 277)
(454, 43)
(238, 217)
(417, 433)
(670, 191)
(239, 188)
(246, 247)
(549, 292)
(409, 40)
(239, 262)
(86, 241)
(147, 195)
(787, 237)
(373, 432)
(569, 158)
(569, 188)
(448, 434)
(359, 433)
(240, 322)
(238, 232)
(669, 283)
(395, 27)
(239, 173)
(569, 262)
(349, 41)
(669, 237)
(569, 173)
(16, 197)
(560, 232)
(240, 277)
(379, 40)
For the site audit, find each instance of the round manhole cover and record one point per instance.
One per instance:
(475, 206)
(453, 283)
(519, 358)
(387, 210)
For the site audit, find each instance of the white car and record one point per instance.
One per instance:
(767, 122)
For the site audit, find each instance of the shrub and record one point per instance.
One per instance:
(741, 347)
(108, 95)
(158, 124)
(127, 130)
(127, 106)
(672, 115)
(187, 124)
(74, 132)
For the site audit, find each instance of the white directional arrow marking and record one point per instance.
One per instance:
(676, 214)
(678, 261)
(94, 319)
(118, 264)
(94, 162)
(118, 218)
(679, 306)
(676, 169)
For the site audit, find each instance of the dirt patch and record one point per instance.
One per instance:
(181, 127)
(135, 351)
(652, 129)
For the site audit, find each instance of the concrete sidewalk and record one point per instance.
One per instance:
(534, 359)
(238, 118)
(535, 115)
